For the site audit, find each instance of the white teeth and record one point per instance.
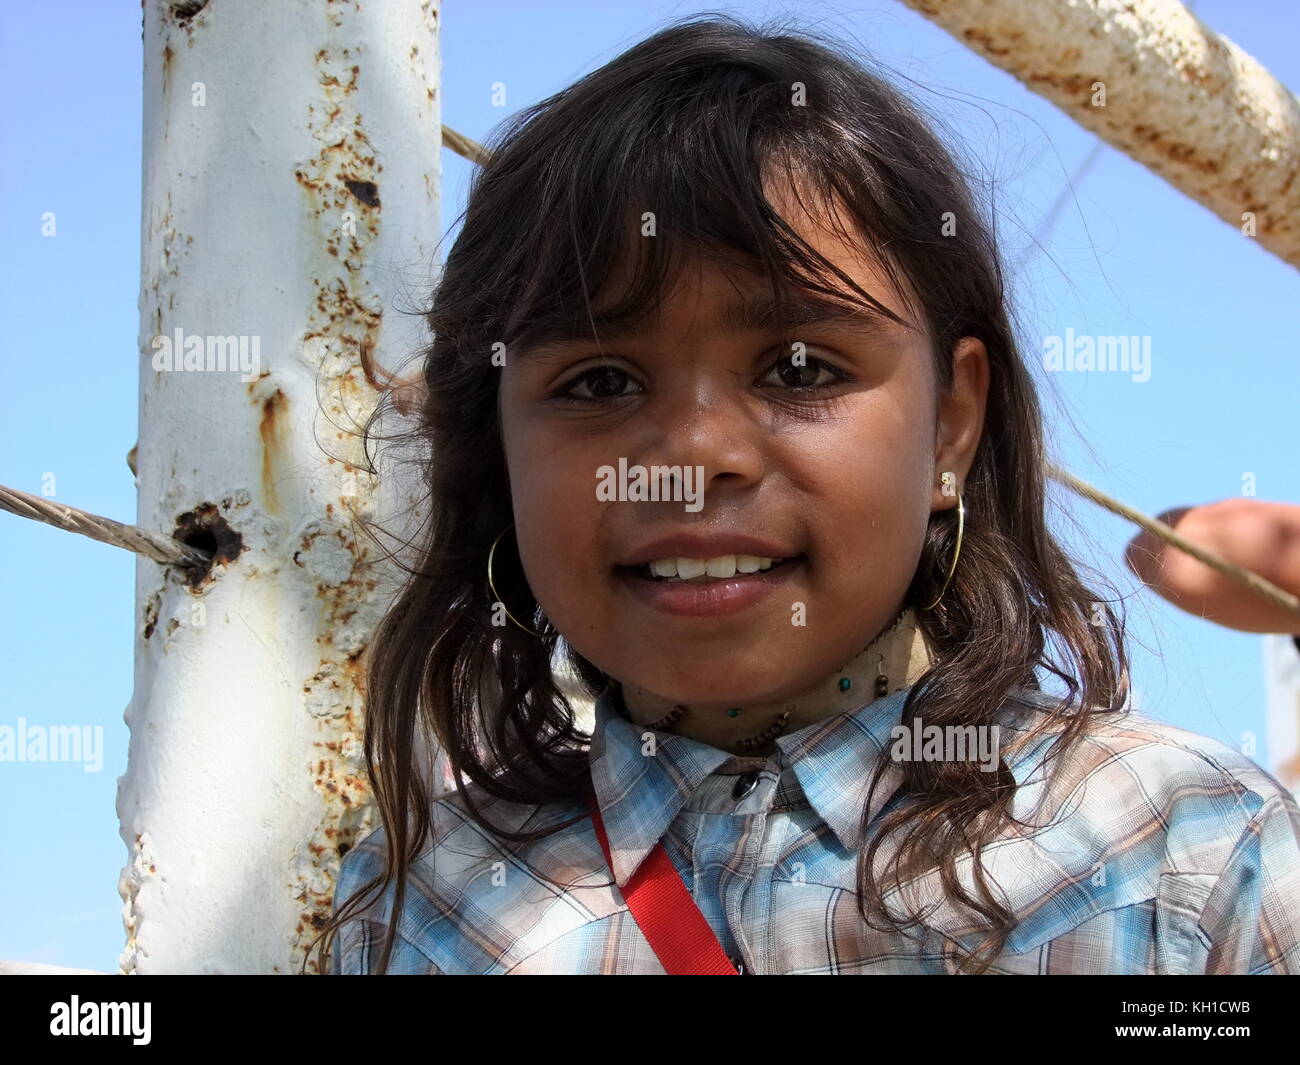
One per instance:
(690, 567)
(722, 567)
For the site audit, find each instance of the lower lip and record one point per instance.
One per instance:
(724, 596)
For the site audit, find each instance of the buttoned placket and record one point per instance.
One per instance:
(727, 808)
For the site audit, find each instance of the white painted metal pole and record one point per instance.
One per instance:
(1153, 81)
(290, 205)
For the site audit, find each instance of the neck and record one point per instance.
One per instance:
(893, 660)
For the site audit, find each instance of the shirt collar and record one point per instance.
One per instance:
(640, 796)
(836, 759)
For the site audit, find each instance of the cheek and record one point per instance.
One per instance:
(558, 519)
(558, 525)
(545, 483)
(870, 484)
(879, 518)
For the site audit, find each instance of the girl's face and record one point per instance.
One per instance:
(839, 479)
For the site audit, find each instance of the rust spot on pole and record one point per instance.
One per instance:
(270, 427)
(151, 615)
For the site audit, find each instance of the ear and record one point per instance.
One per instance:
(961, 418)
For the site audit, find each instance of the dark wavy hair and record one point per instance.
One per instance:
(689, 121)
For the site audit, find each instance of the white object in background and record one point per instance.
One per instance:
(36, 968)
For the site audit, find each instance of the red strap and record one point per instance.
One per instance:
(667, 915)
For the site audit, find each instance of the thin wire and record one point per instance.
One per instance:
(1253, 581)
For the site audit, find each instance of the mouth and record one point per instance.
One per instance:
(700, 588)
(705, 571)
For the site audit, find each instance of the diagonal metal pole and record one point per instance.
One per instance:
(1152, 80)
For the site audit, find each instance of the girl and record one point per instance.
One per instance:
(815, 604)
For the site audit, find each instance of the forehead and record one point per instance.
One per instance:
(708, 298)
(826, 225)
(713, 290)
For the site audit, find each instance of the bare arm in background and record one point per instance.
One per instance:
(1262, 537)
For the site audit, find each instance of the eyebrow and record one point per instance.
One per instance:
(743, 313)
(759, 311)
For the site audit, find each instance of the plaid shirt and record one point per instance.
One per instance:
(1150, 850)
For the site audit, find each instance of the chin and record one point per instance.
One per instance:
(712, 686)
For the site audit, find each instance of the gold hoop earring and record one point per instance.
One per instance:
(961, 528)
(496, 596)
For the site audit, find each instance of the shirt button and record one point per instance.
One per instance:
(745, 783)
(740, 965)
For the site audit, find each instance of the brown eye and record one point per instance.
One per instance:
(807, 376)
(600, 382)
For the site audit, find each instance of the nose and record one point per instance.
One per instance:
(710, 420)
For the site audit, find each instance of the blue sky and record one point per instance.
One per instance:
(1130, 256)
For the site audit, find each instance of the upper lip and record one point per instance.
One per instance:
(706, 545)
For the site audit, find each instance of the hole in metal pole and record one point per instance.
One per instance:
(204, 529)
(184, 10)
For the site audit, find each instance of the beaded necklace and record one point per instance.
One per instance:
(890, 662)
